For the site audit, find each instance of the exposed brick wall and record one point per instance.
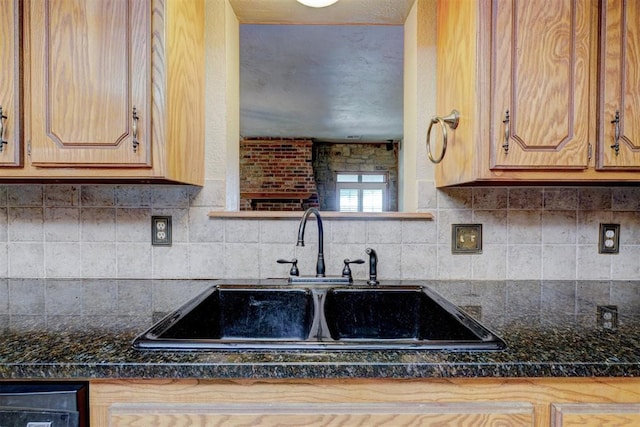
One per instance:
(277, 166)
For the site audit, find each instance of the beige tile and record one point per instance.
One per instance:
(594, 198)
(98, 224)
(61, 224)
(419, 261)
(133, 260)
(489, 198)
(559, 262)
(491, 264)
(62, 260)
(241, 261)
(203, 229)
(25, 224)
(455, 198)
(524, 227)
(527, 198)
(524, 262)
(58, 195)
(133, 195)
(97, 196)
(559, 227)
(98, 260)
(241, 231)
(626, 264)
(25, 195)
(592, 265)
(379, 232)
(562, 199)
(133, 225)
(26, 259)
(171, 262)
(453, 266)
(170, 196)
(206, 260)
(26, 297)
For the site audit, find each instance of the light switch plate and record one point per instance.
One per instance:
(466, 238)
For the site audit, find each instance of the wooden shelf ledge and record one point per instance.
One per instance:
(415, 216)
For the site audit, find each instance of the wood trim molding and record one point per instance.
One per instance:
(412, 216)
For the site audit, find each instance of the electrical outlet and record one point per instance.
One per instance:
(608, 316)
(609, 242)
(161, 230)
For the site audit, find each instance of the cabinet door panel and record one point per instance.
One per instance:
(595, 414)
(90, 66)
(10, 103)
(619, 86)
(540, 84)
(329, 414)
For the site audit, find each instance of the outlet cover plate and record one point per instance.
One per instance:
(607, 316)
(466, 238)
(161, 230)
(609, 242)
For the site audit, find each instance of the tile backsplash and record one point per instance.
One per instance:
(104, 231)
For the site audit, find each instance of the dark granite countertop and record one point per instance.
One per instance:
(103, 350)
(560, 352)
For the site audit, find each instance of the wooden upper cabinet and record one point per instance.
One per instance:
(103, 90)
(90, 83)
(619, 80)
(538, 84)
(540, 53)
(10, 99)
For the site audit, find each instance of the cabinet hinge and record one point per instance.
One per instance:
(29, 148)
(589, 151)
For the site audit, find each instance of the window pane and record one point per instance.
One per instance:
(373, 178)
(371, 200)
(348, 200)
(342, 177)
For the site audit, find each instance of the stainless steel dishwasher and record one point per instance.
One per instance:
(44, 404)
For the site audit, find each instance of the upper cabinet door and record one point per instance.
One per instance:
(540, 84)
(90, 83)
(619, 102)
(10, 101)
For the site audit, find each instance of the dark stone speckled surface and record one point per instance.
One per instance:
(62, 346)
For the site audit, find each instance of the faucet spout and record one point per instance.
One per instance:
(320, 268)
(373, 267)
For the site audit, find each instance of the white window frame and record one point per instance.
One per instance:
(359, 186)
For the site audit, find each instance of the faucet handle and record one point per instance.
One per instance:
(294, 266)
(346, 271)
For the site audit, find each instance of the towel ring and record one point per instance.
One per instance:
(452, 120)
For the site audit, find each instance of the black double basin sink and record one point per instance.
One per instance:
(266, 317)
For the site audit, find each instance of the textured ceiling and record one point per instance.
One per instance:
(335, 75)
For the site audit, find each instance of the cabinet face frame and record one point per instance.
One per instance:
(10, 83)
(82, 102)
(619, 86)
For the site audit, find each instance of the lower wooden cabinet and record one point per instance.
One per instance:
(454, 402)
